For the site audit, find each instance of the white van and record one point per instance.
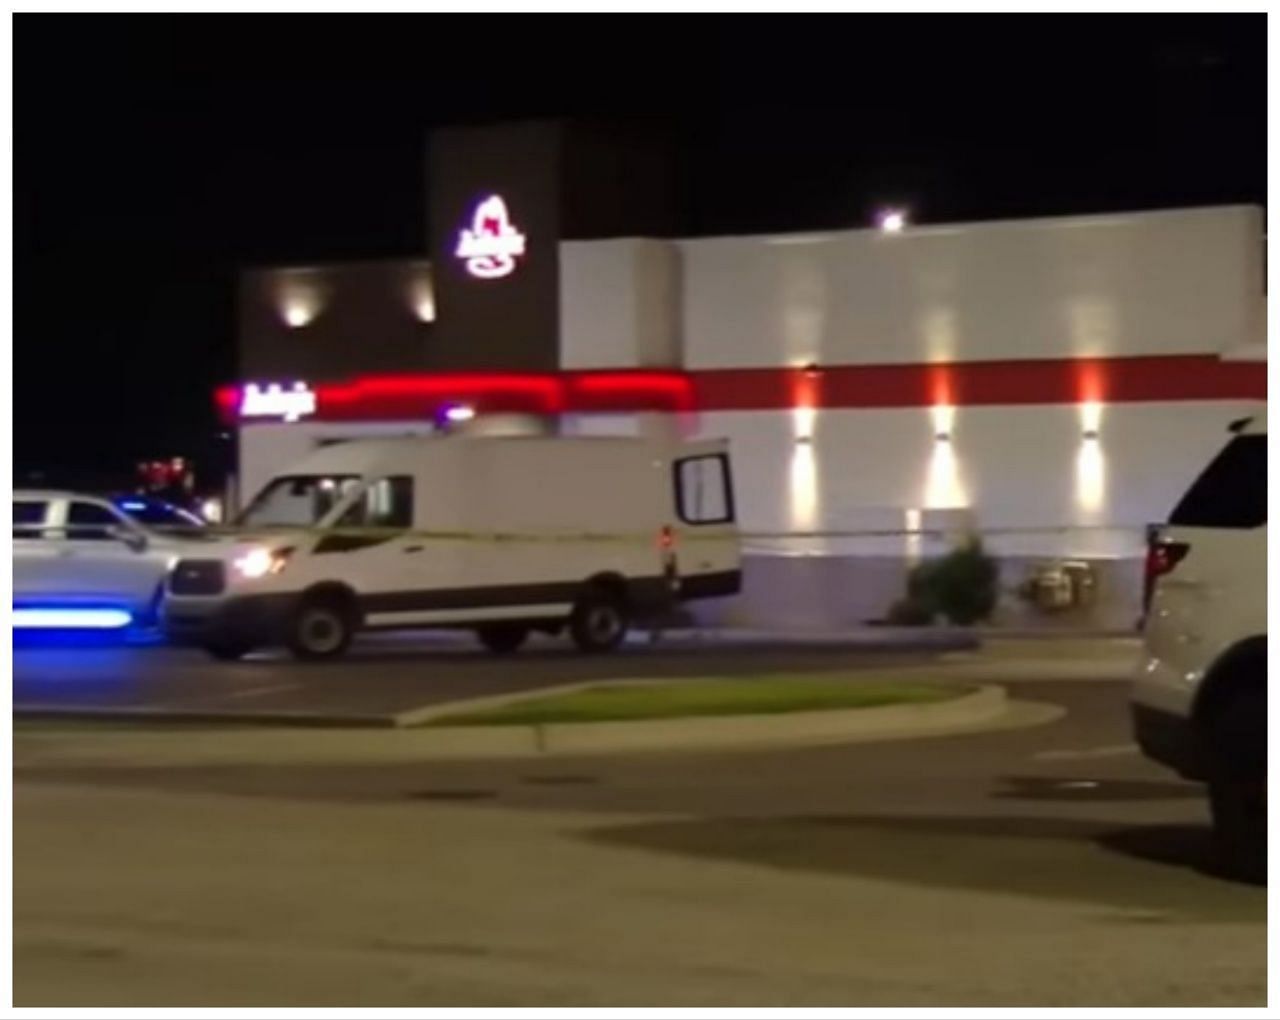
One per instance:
(501, 534)
(1199, 700)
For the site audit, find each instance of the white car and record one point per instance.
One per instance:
(1200, 697)
(81, 562)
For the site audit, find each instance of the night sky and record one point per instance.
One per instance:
(156, 155)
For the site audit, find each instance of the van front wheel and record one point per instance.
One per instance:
(227, 649)
(502, 638)
(321, 628)
(599, 622)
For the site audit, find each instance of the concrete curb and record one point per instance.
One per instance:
(986, 706)
(717, 732)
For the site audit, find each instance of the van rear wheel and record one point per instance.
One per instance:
(502, 638)
(599, 621)
(321, 628)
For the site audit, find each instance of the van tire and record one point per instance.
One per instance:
(321, 628)
(1238, 786)
(599, 621)
(502, 638)
(227, 650)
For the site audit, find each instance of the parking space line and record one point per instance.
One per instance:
(259, 692)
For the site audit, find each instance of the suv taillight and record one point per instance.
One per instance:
(1162, 557)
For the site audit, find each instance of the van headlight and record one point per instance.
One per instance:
(261, 561)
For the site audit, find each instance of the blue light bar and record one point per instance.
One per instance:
(71, 619)
(133, 504)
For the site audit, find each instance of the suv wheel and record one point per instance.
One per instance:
(1238, 785)
(599, 621)
(321, 628)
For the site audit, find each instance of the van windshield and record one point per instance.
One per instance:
(297, 500)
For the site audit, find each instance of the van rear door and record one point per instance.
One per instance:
(704, 541)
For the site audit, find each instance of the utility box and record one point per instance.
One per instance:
(1060, 585)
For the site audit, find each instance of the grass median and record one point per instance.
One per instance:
(765, 695)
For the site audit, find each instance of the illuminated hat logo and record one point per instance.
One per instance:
(491, 244)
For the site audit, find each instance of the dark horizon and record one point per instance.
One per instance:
(157, 156)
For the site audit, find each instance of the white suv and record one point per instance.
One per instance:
(1200, 696)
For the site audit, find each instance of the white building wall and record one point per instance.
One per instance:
(1024, 474)
(619, 304)
(1180, 282)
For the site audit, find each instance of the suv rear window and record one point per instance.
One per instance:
(1232, 490)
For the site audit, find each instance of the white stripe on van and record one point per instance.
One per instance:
(538, 611)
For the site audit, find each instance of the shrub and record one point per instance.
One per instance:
(961, 586)
(909, 612)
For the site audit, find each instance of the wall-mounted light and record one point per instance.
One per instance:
(1091, 477)
(1091, 465)
(299, 297)
(943, 487)
(1091, 418)
(422, 297)
(891, 221)
(297, 315)
(457, 413)
(803, 419)
(944, 419)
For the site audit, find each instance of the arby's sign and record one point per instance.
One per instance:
(491, 245)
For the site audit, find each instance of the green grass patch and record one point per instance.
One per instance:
(765, 695)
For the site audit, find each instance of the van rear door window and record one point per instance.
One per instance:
(704, 489)
(1232, 490)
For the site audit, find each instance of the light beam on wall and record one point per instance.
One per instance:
(943, 488)
(802, 483)
(1091, 464)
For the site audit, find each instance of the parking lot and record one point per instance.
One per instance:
(1047, 864)
(385, 675)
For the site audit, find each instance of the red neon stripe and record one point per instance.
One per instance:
(974, 384)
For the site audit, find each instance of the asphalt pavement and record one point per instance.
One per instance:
(1049, 865)
(385, 675)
